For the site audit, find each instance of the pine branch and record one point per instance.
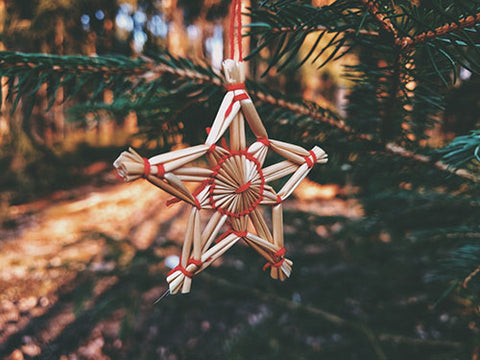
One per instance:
(459, 266)
(406, 43)
(462, 150)
(151, 70)
(321, 28)
(470, 277)
(332, 318)
(380, 17)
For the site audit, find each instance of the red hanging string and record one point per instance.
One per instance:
(236, 14)
(239, 29)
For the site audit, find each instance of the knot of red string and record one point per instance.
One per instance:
(240, 234)
(279, 199)
(233, 87)
(279, 254)
(313, 160)
(211, 148)
(195, 262)
(182, 270)
(243, 188)
(147, 169)
(264, 141)
(239, 97)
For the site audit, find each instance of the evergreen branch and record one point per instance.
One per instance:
(401, 151)
(406, 43)
(152, 69)
(470, 277)
(332, 318)
(318, 28)
(382, 19)
(460, 264)
(462, 150)
(311, 110)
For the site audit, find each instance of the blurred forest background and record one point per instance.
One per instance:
(384, 238)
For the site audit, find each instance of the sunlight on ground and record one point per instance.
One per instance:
(56, 239)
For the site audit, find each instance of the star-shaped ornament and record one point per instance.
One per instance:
(233, 187)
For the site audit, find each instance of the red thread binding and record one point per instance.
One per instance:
(146, 167)
(278, 254)
(224, 144)
(239, 29)
(236, 14)
(211, 148)
(236, 98)
(195, 262)
(240, 234)
(262, 184)
(277, 264)
(180, 268)
(281, 252)
(232, 29)
(310, 163)
(264, 141)
(243, 188)
(160, 171)
(197, 203)
(207, 129)
(233, 87)
(279, 199)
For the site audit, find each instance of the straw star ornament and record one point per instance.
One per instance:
(234, 186)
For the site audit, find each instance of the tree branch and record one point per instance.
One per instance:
(332, 318)
(381, 19)
(324, 28)
(150, 69)
(406, 43)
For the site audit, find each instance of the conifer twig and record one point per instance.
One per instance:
(382, 19)
(470, 277)
(324, 28)
(406, 43)
(150, 70)
(332, 318)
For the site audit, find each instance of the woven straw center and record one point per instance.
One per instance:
(237, 184)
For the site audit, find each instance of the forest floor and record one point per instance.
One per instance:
(81, 269)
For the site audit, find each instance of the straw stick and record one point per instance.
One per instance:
(260, 226)
(279, 170)
(235, 133)
(179, 154)
(294, 181)
(193, 171)
(289, 155)
(215, 134)
(253, 119)
(277, 220)
(242, 136)
(297, 150)
(207, 240)
(171, 189)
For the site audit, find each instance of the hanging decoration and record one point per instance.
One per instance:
(235, 185)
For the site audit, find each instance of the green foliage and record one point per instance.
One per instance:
(462, 150)
(410, 57)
